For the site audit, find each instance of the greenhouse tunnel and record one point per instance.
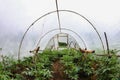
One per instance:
(82, 27)
(59, 40)
(62, 41)
(12, 32)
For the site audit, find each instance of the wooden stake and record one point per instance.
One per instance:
(107, 43)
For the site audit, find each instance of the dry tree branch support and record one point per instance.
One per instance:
(35, 52)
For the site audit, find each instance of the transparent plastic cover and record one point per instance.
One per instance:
(84, 21)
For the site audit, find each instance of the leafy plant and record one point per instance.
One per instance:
(75, 66)
(62, 44)
(109, 68)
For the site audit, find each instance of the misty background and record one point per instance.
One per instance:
(17, 15)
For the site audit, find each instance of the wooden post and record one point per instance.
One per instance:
(53, 43)
(35, 52)
(107, 43)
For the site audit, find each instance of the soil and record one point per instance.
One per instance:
(58, 72)
(58, 69)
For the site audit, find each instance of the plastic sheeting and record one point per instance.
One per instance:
(16, 18)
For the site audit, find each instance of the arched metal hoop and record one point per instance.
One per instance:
(63, 32)
(19, 50)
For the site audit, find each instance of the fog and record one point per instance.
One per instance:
(17, 15)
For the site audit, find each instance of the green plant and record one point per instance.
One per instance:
(71, 69)
(75, 66)
(5, 68)
(62, 44)
(4, 75)
(109, 68)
